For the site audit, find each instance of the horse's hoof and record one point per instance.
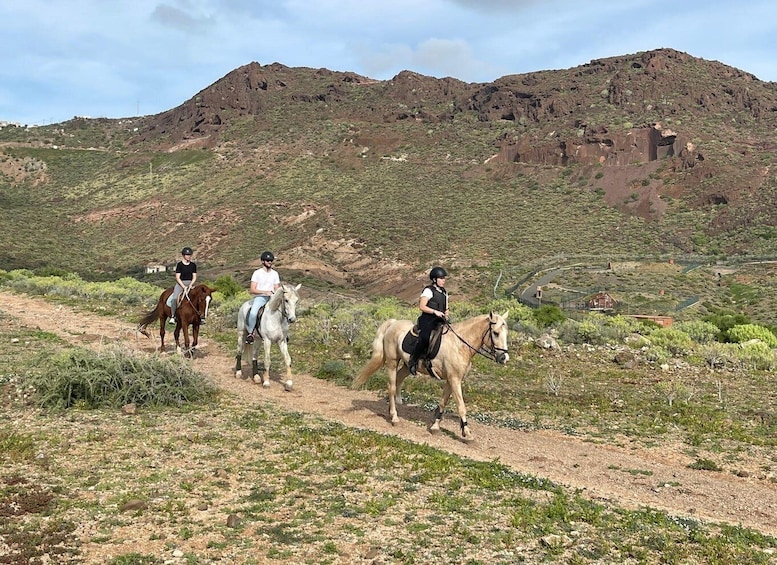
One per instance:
(238, 374)
(257, 381)
(266, 384)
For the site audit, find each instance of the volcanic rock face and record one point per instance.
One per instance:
(598, 145)
(655, 124)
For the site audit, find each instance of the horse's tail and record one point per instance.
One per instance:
(149, 318)
(378, 356)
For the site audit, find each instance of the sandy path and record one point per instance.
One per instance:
(659, 478)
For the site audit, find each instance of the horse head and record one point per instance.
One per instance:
(498, 329)
(286, 300)
(200, 297)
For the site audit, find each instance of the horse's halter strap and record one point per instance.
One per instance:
(487, 353)
(196, 310)
(283, 302)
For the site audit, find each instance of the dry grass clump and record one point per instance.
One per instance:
(117, 376)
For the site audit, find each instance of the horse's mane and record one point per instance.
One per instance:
(199, 291)
(277, 297)
(464, 325)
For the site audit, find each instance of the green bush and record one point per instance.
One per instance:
(724, 321)
(114, 377)
(568, 331)
(548, 315)
(333, 370)
(756, 355)
(746, 332)
(618, 327)
(227, 286)
(657, 354)
(673, 340)
(699, 331)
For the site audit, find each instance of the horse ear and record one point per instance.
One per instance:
(297, 287)
(506, 314)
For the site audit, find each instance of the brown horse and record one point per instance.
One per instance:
(485, 334)
(192, 311)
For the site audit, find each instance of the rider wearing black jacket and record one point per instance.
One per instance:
(434, 311)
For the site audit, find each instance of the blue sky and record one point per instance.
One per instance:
(122, 58)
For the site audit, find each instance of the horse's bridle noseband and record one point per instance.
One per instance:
(490, 353)
(196, 310)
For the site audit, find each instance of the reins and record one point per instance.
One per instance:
(189, 300)
(487, 353)
(282, 307)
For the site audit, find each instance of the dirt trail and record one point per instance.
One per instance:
(632, 477)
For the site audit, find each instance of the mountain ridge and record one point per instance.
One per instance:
(652, 154)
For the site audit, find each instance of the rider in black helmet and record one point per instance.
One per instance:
(434, 311)
(264, 282)
(185, 275)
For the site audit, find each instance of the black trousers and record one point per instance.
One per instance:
(426, 324)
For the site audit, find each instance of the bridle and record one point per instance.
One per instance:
(282, 308)
(200, 315)
(489, 353)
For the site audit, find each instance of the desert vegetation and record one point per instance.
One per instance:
(215, 479)
(644, 176)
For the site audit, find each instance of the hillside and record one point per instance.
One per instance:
(360, 185)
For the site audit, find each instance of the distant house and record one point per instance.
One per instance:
(663, 321)
(602, 302)
(155, 269)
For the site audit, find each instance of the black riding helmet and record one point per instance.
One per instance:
(186, 251)
(437, 273)
(267, 256)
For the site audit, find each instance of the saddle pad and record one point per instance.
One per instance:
(411, 337)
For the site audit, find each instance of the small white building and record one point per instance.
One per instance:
(155, 269)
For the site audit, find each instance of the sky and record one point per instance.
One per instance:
(124, 58)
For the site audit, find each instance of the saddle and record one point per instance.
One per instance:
(435, 339)
(258, 319)
(179, 300)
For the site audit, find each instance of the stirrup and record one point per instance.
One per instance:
(250, 338)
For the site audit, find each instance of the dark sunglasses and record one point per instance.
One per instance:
(268, 260)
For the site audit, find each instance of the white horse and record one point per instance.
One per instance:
(279, 312)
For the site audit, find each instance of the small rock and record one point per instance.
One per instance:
(552, 540)
(233, 521)
(134, 504)
(129, 409)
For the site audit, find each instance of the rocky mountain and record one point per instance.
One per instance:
(351, 179)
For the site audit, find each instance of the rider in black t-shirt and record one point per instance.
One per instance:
(185, 275)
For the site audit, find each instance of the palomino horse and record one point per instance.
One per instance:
(279, 312)
(192, 311)
(485, 334)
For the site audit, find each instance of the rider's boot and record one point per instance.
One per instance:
(412, 364)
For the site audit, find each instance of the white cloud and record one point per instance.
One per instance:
(89, 57)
